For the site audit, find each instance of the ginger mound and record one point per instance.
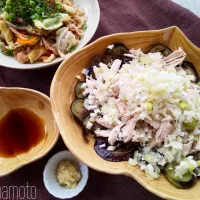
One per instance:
(68, 175)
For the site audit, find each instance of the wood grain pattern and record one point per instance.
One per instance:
(62, 94)
(39, 103)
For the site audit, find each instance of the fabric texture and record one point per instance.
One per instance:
(116, 16)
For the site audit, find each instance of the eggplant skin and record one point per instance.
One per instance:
(95, 61)
(165, 51)
(190, 69)
(78, 109)
(118, 50)
(79, 90)
(118, 155)
(181, 184)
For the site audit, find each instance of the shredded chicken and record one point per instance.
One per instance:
(103, 122)
(103, 133)
(164, 130)
(174, 59)
(115, 132)
(121, 106)
(187, 148)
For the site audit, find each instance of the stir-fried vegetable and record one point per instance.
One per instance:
(5, 50)
(36, 53)
(49, 24)
(29, 41)
(27, 27)
(6, 33)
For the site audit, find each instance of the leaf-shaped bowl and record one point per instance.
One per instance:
(62, 94)
(13, 98)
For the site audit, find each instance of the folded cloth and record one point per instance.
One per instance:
(116, 16)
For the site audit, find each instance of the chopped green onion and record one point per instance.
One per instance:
(29, 10)
(2, 4)
(132, 161)
(73, 49)
(30, 36)
(150, 158)
(59, 7)
(99, 70)
(183, 105)
(135, 154)
(190, 125)
(149, 106)
(142, 79)
(84, 27)
(191, 168)
(196, 138)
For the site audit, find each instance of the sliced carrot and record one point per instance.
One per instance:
(28, 41)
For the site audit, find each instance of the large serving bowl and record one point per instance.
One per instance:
(62, 94)
(92, 10)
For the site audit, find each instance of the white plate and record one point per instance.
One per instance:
(92, 10)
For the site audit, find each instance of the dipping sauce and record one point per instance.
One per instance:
(20, 130)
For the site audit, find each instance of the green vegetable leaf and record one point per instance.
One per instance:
(5, 50)
(8, 52)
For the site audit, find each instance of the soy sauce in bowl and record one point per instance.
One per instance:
(20, 130)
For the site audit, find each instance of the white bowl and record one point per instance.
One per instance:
(50, 180)
(92, 10)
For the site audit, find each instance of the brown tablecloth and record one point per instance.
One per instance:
(116, 16)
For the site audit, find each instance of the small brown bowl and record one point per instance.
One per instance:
(13, 98)
(62, 94)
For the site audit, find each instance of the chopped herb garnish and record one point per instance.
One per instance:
(84, 27)
(73, 48)
(29, 10)
(30, 36)
(2, 4)
(59, 7)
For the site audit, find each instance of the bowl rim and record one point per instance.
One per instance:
(15, 168)
(53, 88)
(41, 65)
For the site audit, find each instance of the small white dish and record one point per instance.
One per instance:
(92, 10)
(50, 180)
